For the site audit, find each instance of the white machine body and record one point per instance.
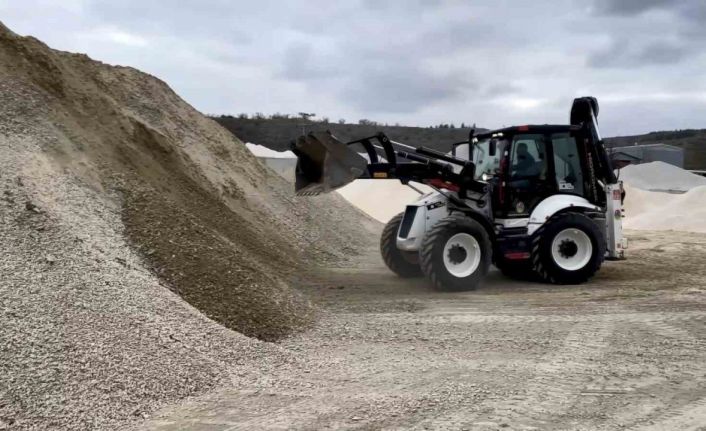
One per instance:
(430, 208)
(552, 205)
(419, 218)
(614, 221)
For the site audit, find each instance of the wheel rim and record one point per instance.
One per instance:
(572, 249)
(462, 255)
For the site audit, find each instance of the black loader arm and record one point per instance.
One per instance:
(324, 164)
(584, 114)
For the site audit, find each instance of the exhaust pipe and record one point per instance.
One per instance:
(324, 164)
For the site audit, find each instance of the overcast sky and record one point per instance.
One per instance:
(416, 62)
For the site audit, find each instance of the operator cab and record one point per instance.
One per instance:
(526, 164)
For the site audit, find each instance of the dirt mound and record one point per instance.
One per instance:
(116, 191)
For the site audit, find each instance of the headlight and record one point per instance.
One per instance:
(520, 207)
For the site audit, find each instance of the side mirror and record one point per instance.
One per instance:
(492, 147)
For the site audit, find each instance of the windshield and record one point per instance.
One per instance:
(485, 163)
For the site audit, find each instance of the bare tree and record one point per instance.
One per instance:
(306, 115)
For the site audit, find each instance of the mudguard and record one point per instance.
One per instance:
(552, 205)
(420, 217)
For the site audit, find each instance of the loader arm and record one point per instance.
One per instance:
(324, 164)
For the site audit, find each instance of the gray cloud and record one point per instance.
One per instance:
(622, 54)
(402, 88)
(669, 35)
(630, 7)
(661, 53)
(418, 62)
(301, 63)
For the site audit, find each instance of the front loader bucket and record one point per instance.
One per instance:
(324, 164)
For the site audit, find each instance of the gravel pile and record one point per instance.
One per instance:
(646, 210)
(118, 202)
(648, 207)
(660, 176)
(90, 338)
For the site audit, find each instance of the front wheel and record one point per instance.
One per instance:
(568, 249)
(455, 253)
(403, 263)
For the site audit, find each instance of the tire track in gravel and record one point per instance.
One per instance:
(691, 417)
(559, 377)
(566, 374)
(686, 409)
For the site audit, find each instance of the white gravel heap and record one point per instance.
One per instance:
(648, 210)
(660, 196)
(660, 176)
(262, 151)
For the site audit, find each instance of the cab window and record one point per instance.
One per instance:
(487, 164)
(528, 182)
(567, 164)
(528, 159)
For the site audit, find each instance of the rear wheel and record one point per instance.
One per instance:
(403, 263)
(455, 253)
(568, 249)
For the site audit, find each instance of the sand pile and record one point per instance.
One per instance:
(661, 196)
(118, 200)
(665, 211)
(660, 176)
(264, 152)
(381, 199)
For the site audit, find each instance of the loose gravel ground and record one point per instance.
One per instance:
(625, 351)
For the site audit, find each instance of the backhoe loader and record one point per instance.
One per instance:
(537, 201)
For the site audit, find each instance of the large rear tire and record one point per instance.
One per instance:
(456, 253)
(568, 249)
(403, 263)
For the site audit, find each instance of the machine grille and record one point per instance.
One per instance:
(407, 221)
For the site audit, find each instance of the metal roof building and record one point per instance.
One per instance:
(636, 154)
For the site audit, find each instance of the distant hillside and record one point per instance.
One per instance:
(693, 141)
(277, 133)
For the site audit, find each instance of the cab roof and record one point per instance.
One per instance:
(529, 128)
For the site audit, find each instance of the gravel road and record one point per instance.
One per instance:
(625, 351)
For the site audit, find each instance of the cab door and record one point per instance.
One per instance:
(567, 164)
(528, 179)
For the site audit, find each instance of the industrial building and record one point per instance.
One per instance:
(636, 154)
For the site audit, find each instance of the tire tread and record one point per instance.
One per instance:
(426, 252)
(540, 267)
(391, 255)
